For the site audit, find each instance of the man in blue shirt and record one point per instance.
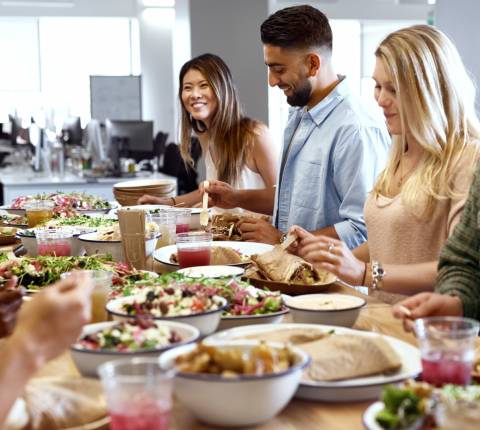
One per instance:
(333, 147)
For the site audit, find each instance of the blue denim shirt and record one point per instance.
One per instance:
(338, 150)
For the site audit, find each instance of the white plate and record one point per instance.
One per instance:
(155, 207)
(246, 248)
(369, 415)
(211, 271)
(13, 211)
(350, 390)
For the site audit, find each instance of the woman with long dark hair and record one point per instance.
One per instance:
(238, 150)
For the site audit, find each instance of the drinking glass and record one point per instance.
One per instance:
(447, 346)
(102, 280)
(193, 248)
(54, 241)
(39, 211)
(138, 392)
(182, 222)
(166, 222)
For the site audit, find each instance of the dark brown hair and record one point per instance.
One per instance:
(231, 133)
(297, 27)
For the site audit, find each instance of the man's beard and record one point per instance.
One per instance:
(301, 96)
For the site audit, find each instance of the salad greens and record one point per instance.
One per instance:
(81, 220)
(37, 272)
(127, 336)
(243, 298)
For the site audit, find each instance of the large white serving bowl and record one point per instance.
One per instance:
(30, 244)
(94, 246)
(206, 322)
(348, 390)
(345, 316)
(246, 400)
(212, 271)
(228, 322)
(87, 361)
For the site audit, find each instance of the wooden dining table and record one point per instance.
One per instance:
(298, 414)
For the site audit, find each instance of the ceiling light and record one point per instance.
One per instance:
(431, 1)
(63, 4)
(159, 3)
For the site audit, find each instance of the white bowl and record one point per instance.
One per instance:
(30, 245)
(306, 309)
(212, 271)
(246, 400)
(227, 322)
(94, 246)
(206, 322)
(87, 361)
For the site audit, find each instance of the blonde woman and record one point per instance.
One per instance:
(428, 102)
(238, 150)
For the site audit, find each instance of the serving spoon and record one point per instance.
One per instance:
(204, 212)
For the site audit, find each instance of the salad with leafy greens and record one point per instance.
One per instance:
(242, 297)
(66, 204)
(130, 336)
(82, 221)
(35, 273)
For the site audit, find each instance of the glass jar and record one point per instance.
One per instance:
(182, 220)
(38, 211)
(102, 280)
(53, 241)
(193, 249)
(166, 221)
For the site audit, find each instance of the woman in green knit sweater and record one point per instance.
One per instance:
(457, 291)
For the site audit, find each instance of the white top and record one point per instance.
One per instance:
(247, 180)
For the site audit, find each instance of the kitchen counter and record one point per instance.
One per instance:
(18, 183)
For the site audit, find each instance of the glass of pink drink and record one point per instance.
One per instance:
(447, 346)
(182, 222)
(193, 249)
(54, 241)
(138, 392)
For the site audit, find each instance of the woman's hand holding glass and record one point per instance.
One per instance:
(326, 253)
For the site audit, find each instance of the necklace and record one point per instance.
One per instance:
(403, 174)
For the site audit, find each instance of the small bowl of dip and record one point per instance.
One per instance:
(332, 309)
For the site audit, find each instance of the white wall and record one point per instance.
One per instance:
(156, 45)
(231, 29)
(460, 20)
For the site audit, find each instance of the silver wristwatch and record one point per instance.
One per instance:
(377, 275)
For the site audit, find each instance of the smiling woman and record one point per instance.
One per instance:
(238, 150)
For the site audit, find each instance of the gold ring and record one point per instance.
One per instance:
(331, 247)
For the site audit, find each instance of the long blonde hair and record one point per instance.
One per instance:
(231, 134)
(436, 100)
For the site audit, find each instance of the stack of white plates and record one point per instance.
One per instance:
(127, 193)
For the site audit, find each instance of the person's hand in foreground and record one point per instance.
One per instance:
(259, 230)
(326, 253)
(10, 302)
(46, 326)
(147, 199)
(220, 194)
(426, 305)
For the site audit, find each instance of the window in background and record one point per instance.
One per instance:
(19, 71)
(46, 62)
(354, 44)
(72, 49)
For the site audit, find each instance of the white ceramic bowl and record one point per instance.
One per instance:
(30, 244)
(227, 322)
(306, 309)
(206, 322)
(87, 361)
(213, 271)
(230, 402)
(114, 247)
